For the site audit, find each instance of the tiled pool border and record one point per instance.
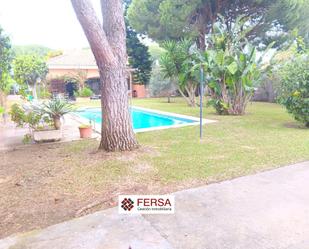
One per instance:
(97, 127)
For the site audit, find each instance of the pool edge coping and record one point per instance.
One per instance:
(170, 114)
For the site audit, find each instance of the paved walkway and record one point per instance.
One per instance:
(11, 137)
(269, 210)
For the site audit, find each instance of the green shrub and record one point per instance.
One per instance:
(1, 110)
(85, 92)
(40, 117)
(158, 85)
(294, 92)
(23, 117)
(44, 93)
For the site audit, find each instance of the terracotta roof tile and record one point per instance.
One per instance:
(73, 59)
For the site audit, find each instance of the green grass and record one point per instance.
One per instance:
(266, 137)
(77, 174)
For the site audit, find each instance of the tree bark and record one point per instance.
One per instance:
(202, 41)
(190, 89)
(185, 97)
(109, 48)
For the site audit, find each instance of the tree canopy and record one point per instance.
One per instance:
(28, 69)
(5, 67)
(174, 19)
(292, 15)
(5, 59)
(139, 57)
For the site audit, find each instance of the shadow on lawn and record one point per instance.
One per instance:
(295, 125)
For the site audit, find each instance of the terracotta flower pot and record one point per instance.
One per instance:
(85, 131)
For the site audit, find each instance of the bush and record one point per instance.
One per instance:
(85, 92)
(294, 93)
(23, 117)
(158, 85)
(42, 116)
(29, 117)
(44, 93)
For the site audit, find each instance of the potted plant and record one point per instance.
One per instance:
(43, 120)
(41, 128)
(45, 135)
(56, 109)
(85, 131)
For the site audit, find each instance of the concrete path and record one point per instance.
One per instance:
(11, 137)
(269, 210)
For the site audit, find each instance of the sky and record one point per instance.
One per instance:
(51, 23)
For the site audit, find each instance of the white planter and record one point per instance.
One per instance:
(47, 136)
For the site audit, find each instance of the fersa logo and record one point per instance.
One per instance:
(146, 204)
(153, 202)
(127, 204)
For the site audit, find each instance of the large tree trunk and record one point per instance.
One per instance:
(117, 133)
(109, 48)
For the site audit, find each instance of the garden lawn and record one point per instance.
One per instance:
(266, 137)
(46, 184)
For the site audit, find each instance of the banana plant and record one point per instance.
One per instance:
(233, 67)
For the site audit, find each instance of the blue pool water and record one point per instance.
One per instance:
(141, 119)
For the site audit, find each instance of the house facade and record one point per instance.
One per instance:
(81, 65)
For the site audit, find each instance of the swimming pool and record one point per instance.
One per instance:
(143, 119)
